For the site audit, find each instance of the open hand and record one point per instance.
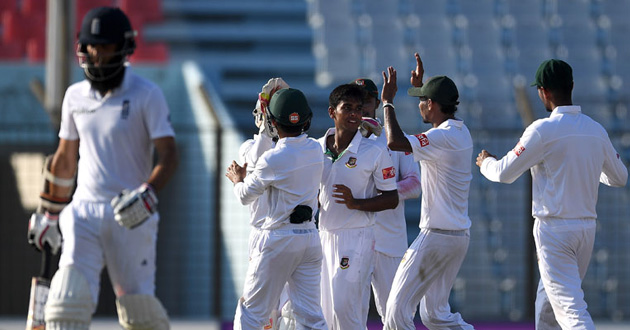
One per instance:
(389, 85)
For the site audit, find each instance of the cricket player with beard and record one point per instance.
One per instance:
(111, 123)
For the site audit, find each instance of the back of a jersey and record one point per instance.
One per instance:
(295, 168)
(565, 183)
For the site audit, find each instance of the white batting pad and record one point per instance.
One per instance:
(141, 312)
(69, 303)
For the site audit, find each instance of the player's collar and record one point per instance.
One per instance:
(352, 147)
(451, 122)
(566, 109)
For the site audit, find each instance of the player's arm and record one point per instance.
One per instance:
(132, 208)
(409, 175)
(396, 139)
(247, 188)
(383, 201)
(64, 165)
(167, 162)
(59, 171)
(526, 153)
(614, 172)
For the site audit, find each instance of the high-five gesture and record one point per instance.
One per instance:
(389, 86)
(418, 73)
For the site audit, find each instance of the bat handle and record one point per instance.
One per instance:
(46, 260)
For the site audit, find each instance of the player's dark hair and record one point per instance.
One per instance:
(346, 92)
(448, 109)
(293, 129)
(562, 92)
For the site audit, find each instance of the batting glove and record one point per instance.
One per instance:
(132, 208)
(370, 126)
(43, 230)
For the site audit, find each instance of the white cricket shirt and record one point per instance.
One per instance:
(445, 155)
(569, 154)
(364, 167)
(116, 134)
(249, 152)
(391, 227)
(291, 172)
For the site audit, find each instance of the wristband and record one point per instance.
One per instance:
(387, 104)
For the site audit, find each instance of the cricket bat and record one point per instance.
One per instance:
(40, 286)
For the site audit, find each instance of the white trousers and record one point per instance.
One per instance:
(291, 255)
(93, 239)
(564, 249)
(346, 272)
(425, 277)
(385, 267)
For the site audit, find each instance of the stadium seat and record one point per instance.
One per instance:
(150, 10)
(150, 53)
(34, 7)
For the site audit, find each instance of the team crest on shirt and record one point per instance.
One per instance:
(344, 263)
(424, 140)
(518, 150)
(352, 162)
(389, 173)
(124, 114)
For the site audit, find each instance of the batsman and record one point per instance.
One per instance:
(111, 124)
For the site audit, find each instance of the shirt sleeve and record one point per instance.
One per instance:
(614, 172)
(255, 183)
(527, 153)
(409, 175)
(67, 129)
(424, 145)
(157, 115)
(252, 149)
(384, 173)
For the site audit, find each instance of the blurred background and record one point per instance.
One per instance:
(211, 57)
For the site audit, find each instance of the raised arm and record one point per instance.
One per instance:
(396, 139)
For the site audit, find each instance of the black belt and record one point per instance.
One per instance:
(301, 213)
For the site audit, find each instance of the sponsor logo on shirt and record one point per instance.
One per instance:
(125, 110)
(389, 173)
(352, 162)
(424, 141)
(344, 263)
(518, 150)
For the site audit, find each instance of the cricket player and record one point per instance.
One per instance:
(111, 123)
(250, 151)
(359, 179)
(428, 269)
(391, 227)
(287, 249)
(568, 155)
